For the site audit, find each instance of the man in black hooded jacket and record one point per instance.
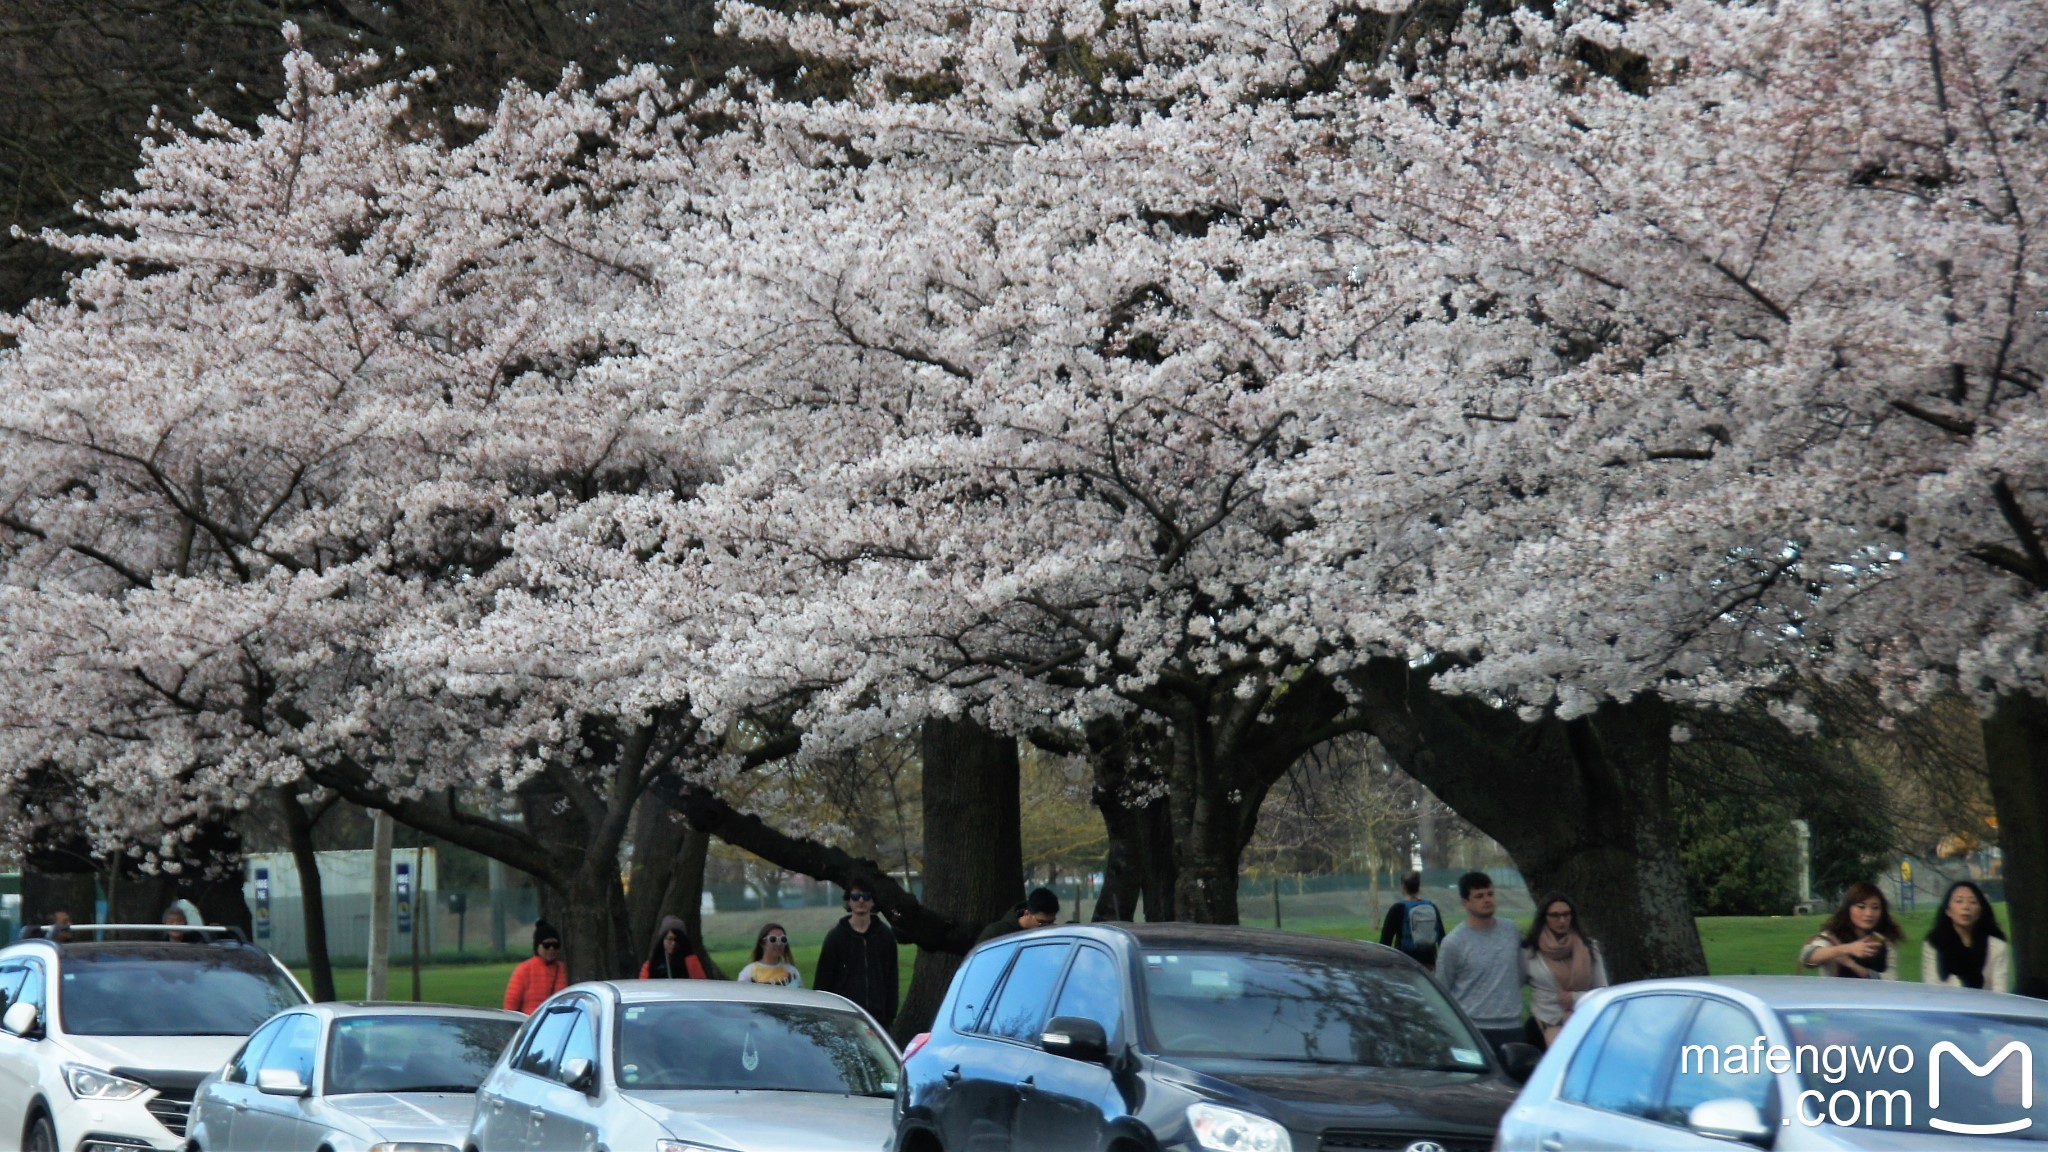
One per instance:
(858, 960)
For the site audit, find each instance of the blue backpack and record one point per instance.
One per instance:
(1422, 927)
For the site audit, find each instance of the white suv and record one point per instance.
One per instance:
(103, 1040)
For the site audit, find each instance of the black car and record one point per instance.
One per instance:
(1197, 1038)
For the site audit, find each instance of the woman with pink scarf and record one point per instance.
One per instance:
(1561, 964)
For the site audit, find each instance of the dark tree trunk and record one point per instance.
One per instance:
(2016, 751)
(1226, 752)
(1583, 806)
(657, 833)
(1156, 832)
(298, 829)
(973, 853)
(1137, 867)
(685, 896)
(586, 904)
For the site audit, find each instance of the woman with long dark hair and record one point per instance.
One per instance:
(672, 957)
(1967, 948)
(1560, 963)
(1860, 940)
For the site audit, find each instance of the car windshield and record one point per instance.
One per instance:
(175, 990)
(1325, 1008)
(715, 1045)
(413, 1053)
(1880, 1069)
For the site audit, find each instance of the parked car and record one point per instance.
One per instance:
(1179, 1037)
(102, 1041)
(347, 1077)
(1789, 1063)
(691, 1066)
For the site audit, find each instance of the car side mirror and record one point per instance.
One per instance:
(580, 1074)
(1729, 1119)
(20, 1018)
(1075, 1039)
(1519, 1060)
(281, 1082)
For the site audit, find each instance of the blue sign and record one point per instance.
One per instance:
(263, 903)
(405, 899)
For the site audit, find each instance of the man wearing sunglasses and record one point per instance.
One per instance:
(858, 960)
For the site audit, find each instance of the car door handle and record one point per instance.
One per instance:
(536, 1115)
(1551, 1144)
(952, 1075)
(1028, 1082)
(239, 1106)
(497, 1103)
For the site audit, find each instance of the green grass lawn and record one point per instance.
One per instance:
(1735, 945)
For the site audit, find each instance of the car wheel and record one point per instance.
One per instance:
(41, 1137)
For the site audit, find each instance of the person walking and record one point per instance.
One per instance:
(1560, 965)
(1413, 925)
(1859, 941)
(1039, 909)
(538, 976)
(858, 959)
(672, 957)
(771, 964)
(1480, 963)
(1967, 948)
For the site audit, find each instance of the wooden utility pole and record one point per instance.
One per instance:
(378, 986)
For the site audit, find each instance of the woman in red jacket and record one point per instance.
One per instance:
(540, 976)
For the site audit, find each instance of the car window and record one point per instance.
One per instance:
(1328, 1003)
(711, 1045)
(1020, 1008)
(545, 1042)
(293, 1049)
(1587, 1056)
(31, 990)
(171, 990)
(10, 982)
(1093, 991)
(413, 1053)
(243, 1068)
(582, 1042)
(1638, 1056)
(1718, 1029)
(984, 968)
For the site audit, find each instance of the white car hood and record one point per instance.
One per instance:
(423, 1117)
(773, 1121)
(198, 1055)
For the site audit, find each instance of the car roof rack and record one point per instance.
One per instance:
(224, 933)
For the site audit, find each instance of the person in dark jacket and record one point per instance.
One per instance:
(858, 959)
(1039, 909)
(672, 957)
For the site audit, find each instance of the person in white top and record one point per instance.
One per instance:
(1967, 948)
(771, 960)
(1559, 964)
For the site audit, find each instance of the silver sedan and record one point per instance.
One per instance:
(352, 1078)
(1789, 1063)
(691, 1066)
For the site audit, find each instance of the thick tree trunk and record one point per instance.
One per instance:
(685, 896)
(1137, 867)
(1582, 805)
(298, 828)
(2016, 751)
(973, 854)
(657, 833)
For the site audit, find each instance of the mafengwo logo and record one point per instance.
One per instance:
(2026, 1078)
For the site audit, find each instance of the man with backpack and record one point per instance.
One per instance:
(1415, 926)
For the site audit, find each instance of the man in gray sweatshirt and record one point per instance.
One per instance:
(1480, 963)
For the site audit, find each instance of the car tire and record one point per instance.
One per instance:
(40, 1136)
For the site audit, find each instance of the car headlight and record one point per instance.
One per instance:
(1228, 1130)
(93, 1084)
(411, 1146)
